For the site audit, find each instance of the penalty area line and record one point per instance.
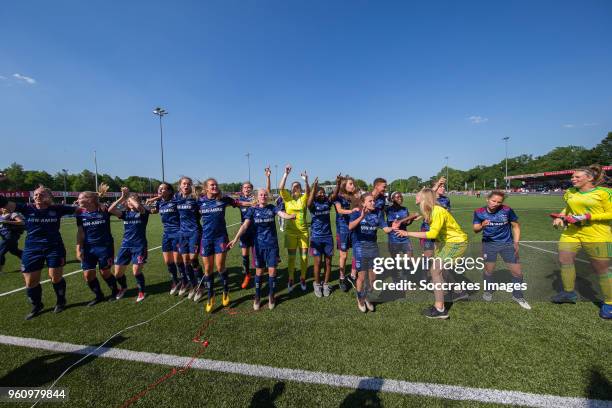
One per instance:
(449, 392)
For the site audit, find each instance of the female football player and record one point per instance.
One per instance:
(501, 234)
(95, 244)
(346, 202)
(43, 245)
(134, 245)
(296, 230)
(11, 228)
(365, 224)
(451, 243)
(262, 217)
(165, 206)
(586, 216)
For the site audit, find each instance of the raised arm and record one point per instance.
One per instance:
(113, 207)
(336, 191)
(281, 185)
(305, 176)
(315, 185)
(268, 173)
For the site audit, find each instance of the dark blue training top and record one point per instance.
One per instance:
(96, 227)
(320, 226)
(135, 228)
(189, 214)
(342, 220)
(213, 216)
(43, 225)
(500, 227)
(170, 218)
(368, 227)
(243, 211)
(397, 213)
(265, 228)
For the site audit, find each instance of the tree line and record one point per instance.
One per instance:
(560, 158)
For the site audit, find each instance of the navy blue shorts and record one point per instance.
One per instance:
(92, 256)
(133, 255)
(34, 259)
(247, 240)
(189, 243)
(400, 248)
(210, 247)
(322, 246)
(490, 250)
(171, 242)
(343, 240)
(266, 257)
(364, 254)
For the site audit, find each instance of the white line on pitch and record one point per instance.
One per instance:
(450, 392)
(548, 251)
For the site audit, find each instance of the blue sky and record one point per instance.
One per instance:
(369, 88)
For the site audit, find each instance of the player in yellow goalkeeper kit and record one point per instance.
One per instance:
(296, 230)
(452, 243)
(586, 219)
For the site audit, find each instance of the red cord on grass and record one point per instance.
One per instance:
(196, 339)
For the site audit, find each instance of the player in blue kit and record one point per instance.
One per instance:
(321, 241)
(247, 239)
(262, 217)
(11, 228)
(95, 245)
(43, 245)
(190, 234)
(134, 245)
(501, 233)
(346, 202)
(399, 215)
(165, 206)
(213, 247)
(365, 224)
(379, 190)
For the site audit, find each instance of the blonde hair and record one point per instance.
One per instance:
(96, 195)
(596, 172)
(195, 190)
(46, 191)
(428, 201)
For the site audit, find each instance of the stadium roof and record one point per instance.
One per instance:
(549, 174)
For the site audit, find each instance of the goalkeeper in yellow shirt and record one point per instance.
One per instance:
(296, 230)
(451, 243)
(586, 222)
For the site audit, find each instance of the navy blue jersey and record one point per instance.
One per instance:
(265, 227)
(280, 204)
(368, 227)
(189, 213)
(43, 225)
(444, 201)
(243, 210)
(135, 228)
(9, 230)
(96, 226)
(395, 213)
(500, 227)
(342, 220)
(170, 218)
(380, 203)
(213, 216)
(320, 225)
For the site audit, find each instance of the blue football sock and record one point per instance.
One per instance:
(182, 273)
(245, 264)
(35, 295)
(172, 271)
(488, 279)
(94, 285)
(60, 291)
(111, 282)
(140, 282)
(517, 293)
(257, 286)
(210, 284)
(122, 281)
(225, 281)
(271, 285)
(191, 275)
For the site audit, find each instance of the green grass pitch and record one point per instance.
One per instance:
(553, 349)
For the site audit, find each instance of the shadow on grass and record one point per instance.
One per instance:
(599, 386)
(265, 398)
(366, 394)
(583, 287)
(45, 369)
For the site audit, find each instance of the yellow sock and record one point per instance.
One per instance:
(605, 281)
(291, 267)
(303, 265)
(568, 276)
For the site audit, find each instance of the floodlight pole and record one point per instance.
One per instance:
(276, 177)
(96, 166)
(447, 184)
(505, 139)
(65, 185)
(248, 156)
(161, 113)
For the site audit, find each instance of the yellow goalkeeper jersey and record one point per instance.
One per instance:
(298, 226)
(444, 228)
(598, 203)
